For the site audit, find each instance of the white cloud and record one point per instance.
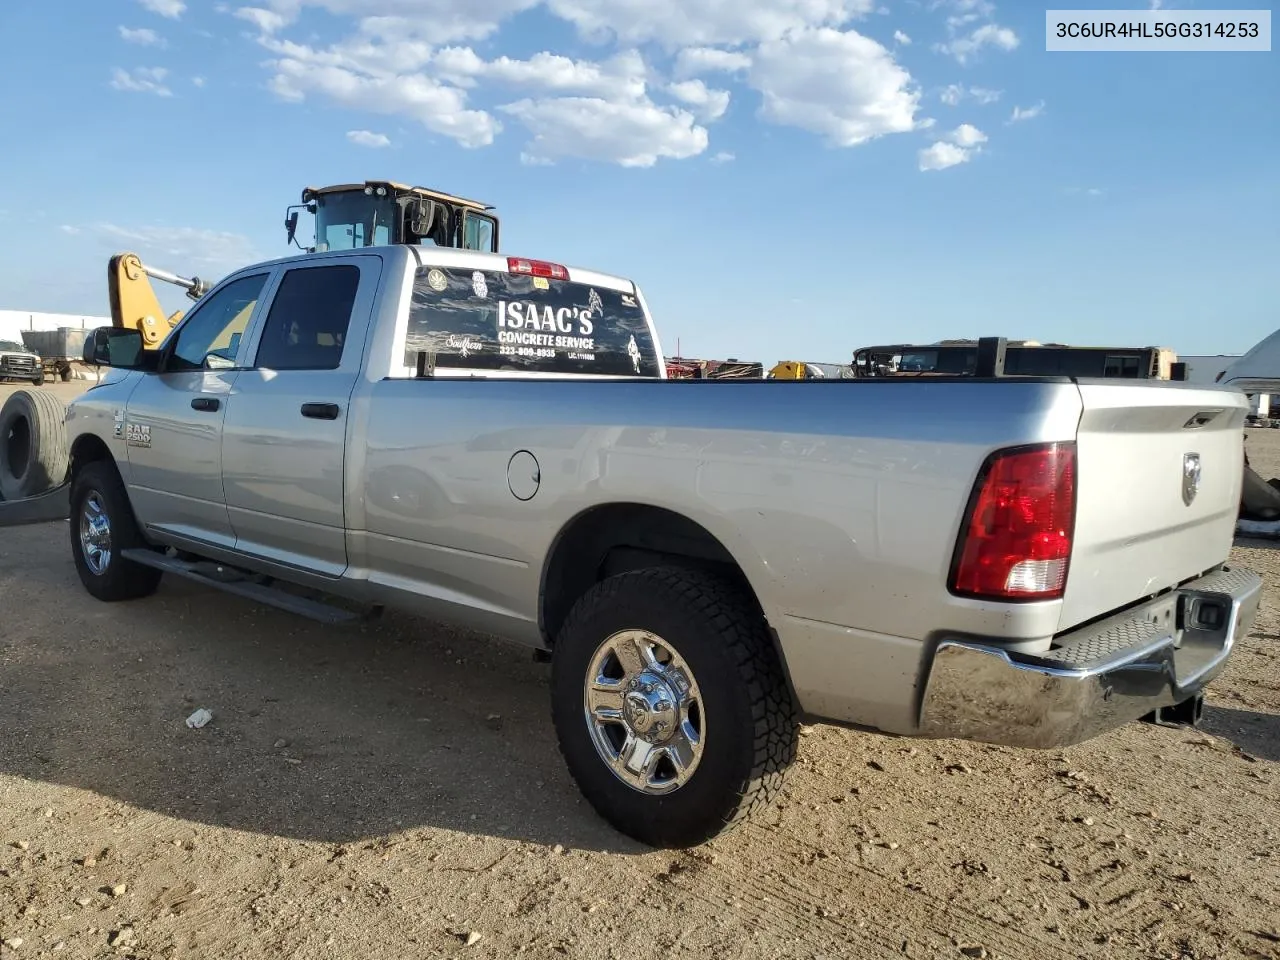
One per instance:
(842, 85)
(988, 35)
(419, 58)
(622, 77)
(692, 61)
(707, 103)
(681, 23)
(1028, 113)
(184, 250)
(430, 21)
(958, 146)
(902, 38)
(630, 134)
(268, 21)
(172, 9)
(941, 155)
(198, 81)
(724, 156)
(967, 135)
(971, 27)
(141, 36)
(367, 138)
(142, 80)
(355, 78)
(953, 93)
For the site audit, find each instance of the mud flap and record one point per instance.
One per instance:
(1187, 713)
(1259, 500)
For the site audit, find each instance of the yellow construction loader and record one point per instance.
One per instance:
(794, 370)
(347, 216)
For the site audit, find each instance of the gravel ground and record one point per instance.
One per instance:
(394, 791)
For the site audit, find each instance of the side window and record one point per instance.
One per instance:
(307, 325)
(210, 336)
(478, 233)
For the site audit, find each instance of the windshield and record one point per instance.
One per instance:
(494, 320)
(9, 345)
(345, 221)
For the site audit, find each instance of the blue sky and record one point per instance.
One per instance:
(786, 179)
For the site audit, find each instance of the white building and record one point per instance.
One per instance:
(1208, 369)
(13, 322)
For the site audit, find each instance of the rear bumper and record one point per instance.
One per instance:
(1099, 677)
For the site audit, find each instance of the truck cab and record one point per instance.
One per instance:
(19, 363)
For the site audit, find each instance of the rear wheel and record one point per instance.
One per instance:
(102, 525)
(670, 705)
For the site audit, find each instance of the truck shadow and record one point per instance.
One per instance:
(319, 733)
(1256, 734)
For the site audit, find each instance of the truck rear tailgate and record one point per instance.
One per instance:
(1159, 471)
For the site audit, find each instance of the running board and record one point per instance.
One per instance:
(311, 609)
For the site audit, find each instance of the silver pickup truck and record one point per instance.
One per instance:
(491, 441)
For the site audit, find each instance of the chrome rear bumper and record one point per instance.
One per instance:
(1096, 678)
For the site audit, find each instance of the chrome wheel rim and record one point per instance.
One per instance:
(644, 712)
(95, 534)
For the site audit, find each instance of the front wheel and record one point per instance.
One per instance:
(670, 705)
(102, 525)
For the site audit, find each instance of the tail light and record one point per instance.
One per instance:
(537, 268)
(1016, 540)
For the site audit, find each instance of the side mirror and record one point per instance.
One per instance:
(115, 347)
(291, 223)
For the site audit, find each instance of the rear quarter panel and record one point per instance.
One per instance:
(840, 500)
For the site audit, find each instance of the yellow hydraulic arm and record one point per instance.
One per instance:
(134, 305)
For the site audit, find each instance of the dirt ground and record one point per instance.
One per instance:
(394, 791)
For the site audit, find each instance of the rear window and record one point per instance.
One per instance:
(494, 320)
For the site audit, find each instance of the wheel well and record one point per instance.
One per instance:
(88, 449)
(615, 538)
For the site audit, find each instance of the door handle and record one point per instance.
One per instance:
(205, 403)
(320, 411)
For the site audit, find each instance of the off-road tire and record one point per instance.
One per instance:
(751, 718)
(33, 444)
(122, 579)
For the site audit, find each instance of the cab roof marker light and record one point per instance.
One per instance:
(537, 268)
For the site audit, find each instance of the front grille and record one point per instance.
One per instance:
(18, 364)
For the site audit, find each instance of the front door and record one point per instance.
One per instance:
(285, 434)
(172, 424)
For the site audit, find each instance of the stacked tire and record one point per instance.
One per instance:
(33, 444)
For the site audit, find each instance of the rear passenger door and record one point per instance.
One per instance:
(285, 432)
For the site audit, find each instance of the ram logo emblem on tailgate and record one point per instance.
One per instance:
(1190, 477)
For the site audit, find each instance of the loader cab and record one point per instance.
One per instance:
(380, 213)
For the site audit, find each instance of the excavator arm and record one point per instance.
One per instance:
(134, 305)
